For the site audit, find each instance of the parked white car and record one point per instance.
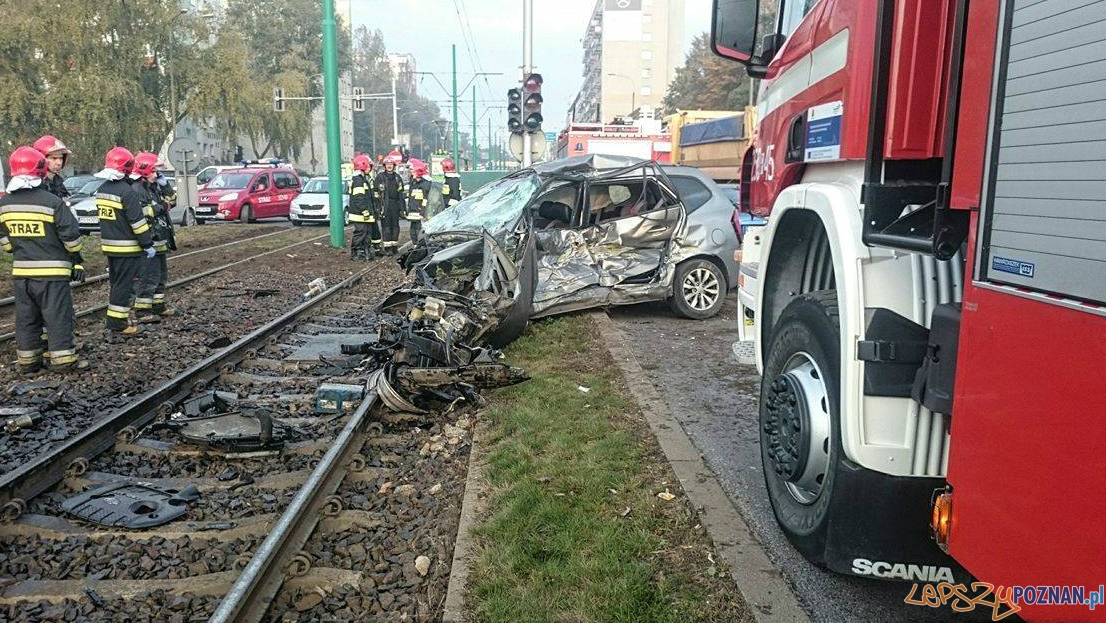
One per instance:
(313, 203)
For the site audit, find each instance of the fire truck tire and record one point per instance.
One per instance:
(800, 434)
(698, 289)
(244, 216)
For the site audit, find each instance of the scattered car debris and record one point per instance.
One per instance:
(208, 403)
(17, 418)
(219, 342)
(338, 398)
(314, 288)
(245, 430)
(131, 504)
(666, 496)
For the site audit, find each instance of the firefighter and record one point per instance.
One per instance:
(390, 195)
(149, 302)
(56, 156)
(362, 211)
(125, 236)
(418, 197)
(39, 230)
(451, 190)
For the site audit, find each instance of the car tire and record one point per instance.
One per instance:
(514, 323)
(245, 215)
(297, 223)
(189, 218)
(698, 289)
(800, 429)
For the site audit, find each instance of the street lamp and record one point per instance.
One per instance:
(633, 92)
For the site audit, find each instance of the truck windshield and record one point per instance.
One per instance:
(322, 186)
(233, 181)
(493, 207)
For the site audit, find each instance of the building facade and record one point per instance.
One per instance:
(631, 51)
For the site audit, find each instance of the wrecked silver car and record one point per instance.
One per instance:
(576, 233)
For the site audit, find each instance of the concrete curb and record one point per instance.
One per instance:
(465, 545)
(768, 594)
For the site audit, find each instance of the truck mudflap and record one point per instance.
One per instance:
(890, 540)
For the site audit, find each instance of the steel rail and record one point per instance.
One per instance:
(7, 337)
(47, 469)
(10, 300)
(255, 589)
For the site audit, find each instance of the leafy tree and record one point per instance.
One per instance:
(707, 82)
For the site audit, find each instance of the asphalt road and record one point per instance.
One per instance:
(715, 400)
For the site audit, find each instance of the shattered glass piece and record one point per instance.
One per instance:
(131, 504)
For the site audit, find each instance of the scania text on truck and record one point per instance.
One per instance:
(927, 300)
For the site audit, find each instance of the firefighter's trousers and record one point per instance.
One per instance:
(416, 229)
(391, 225)
(39, 304)
(122, 272)
(359, 244)
(150, 289)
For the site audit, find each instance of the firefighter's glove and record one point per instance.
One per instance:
(78, 273)
(150, 252)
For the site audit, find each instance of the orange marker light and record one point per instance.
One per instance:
(942, 517)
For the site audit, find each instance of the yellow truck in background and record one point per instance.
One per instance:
(713, 141)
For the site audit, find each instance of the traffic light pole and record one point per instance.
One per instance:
(475, 150)
(333, 129)
(527, 68)
(456, 129)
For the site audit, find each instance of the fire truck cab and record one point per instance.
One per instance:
(927, 300)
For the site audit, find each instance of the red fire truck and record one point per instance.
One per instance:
(640, 139)
(927, 300)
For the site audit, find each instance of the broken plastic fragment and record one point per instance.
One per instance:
(131, 504)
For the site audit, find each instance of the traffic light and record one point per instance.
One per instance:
(358, 101)
(514, 111)
(278, 99)
(532, 101)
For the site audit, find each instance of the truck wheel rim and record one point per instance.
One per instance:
(701, 289)
(797, 428)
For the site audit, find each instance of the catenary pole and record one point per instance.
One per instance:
(456, 128)
(333, 127)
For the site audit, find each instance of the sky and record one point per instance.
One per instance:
(426, 28)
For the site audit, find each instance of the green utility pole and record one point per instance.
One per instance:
(475, 149)
(333, 129)
(456, 129)
(491, 152)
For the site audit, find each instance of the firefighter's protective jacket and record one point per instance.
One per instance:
(40, 231)
(389, 191)
(451, 190)
(419, 197)
(362, 207)
(124, 230)
(157, 214)
(56, 185)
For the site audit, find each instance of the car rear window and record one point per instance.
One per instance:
(692, 192)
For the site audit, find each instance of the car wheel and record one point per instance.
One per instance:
(189, 218)
(800, 436)
(297, 223)
(244, 215)
(698, 289)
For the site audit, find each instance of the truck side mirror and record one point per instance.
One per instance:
(733, 32)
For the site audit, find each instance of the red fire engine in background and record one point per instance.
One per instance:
(928, 299)
(640, 138)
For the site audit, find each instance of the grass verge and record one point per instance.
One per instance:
(574, 529)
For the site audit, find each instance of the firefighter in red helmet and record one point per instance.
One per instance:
(391, 195)
(56, 156)
(39, 230)
(362, 211)
(125, 236)
(419, 196)
(451, 190)
(149, 302)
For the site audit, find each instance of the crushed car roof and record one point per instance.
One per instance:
(589, 165)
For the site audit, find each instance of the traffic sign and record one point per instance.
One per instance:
(184, 154)
(538, 146)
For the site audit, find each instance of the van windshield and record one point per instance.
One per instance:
(233, 181)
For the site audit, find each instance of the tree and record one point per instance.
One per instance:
(707, 82)
(90, 72)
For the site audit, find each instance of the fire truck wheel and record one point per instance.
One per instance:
(698, 289)
(800, 438)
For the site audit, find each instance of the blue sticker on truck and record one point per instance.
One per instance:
(823, 132)
(1014, 267)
